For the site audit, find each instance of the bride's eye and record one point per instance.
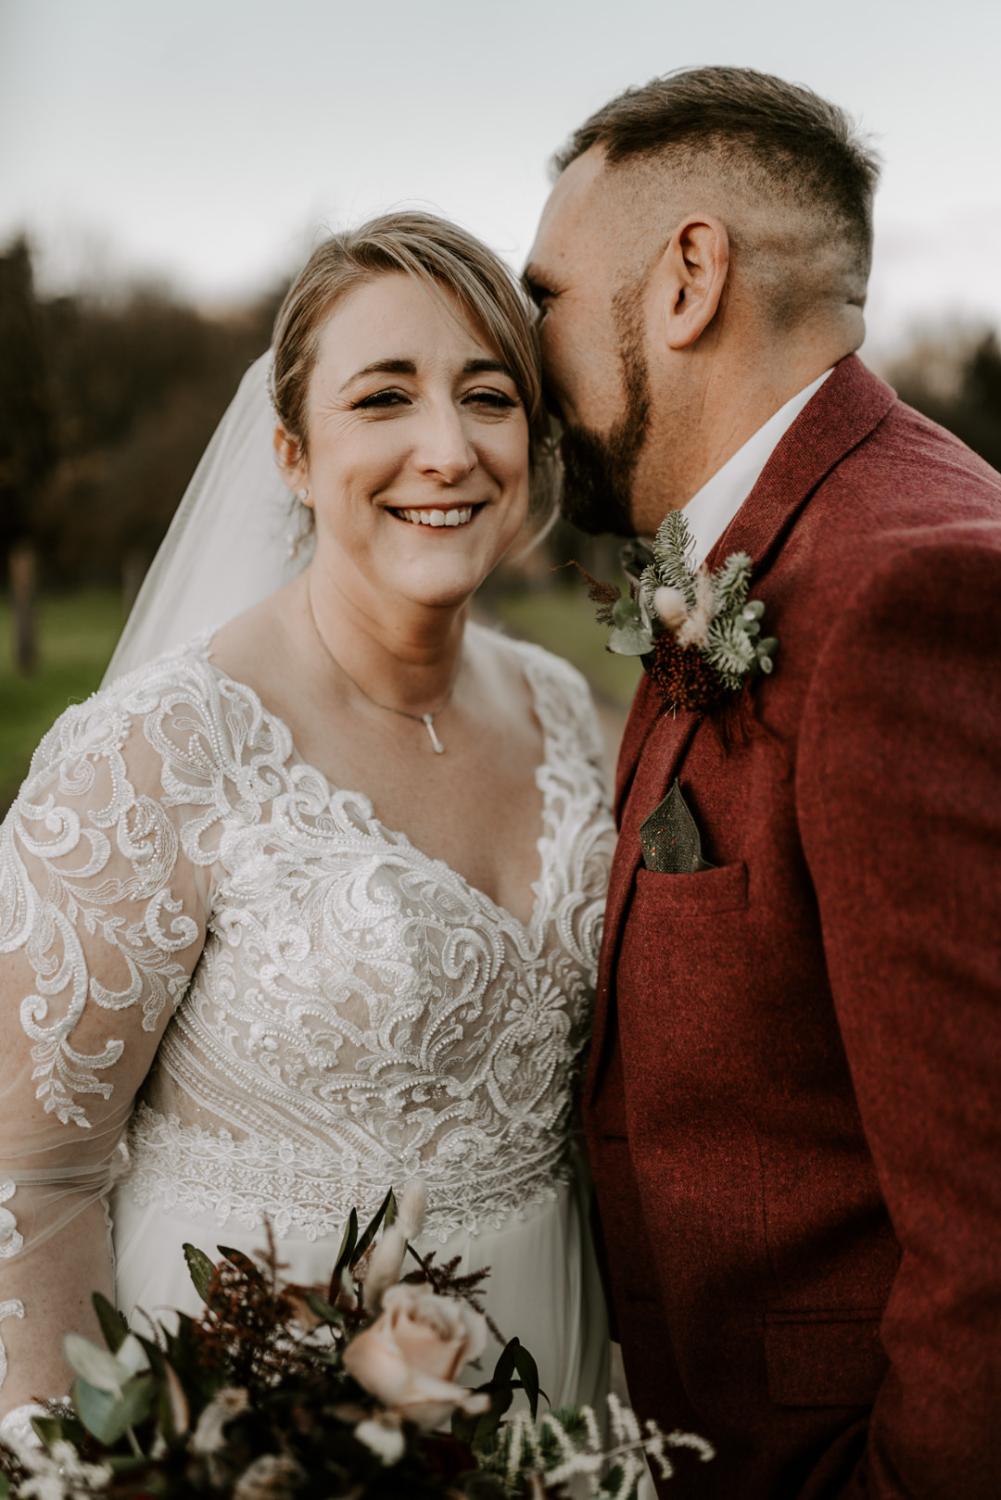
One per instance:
(380, 400)
(497, 400)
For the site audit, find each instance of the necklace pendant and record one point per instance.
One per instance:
(428, 721)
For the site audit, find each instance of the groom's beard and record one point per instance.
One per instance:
(598, 471)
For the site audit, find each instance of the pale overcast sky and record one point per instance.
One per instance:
(208, 141)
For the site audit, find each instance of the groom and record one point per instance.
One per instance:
(796, 1072)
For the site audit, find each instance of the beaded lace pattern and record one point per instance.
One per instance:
(359, 1013)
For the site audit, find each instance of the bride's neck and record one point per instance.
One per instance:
(406, 655)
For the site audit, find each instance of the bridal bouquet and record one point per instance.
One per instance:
(278, 1391)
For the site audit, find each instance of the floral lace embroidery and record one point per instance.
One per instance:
(12, 1308)
(357, 1004)
(308, 1191)
(89, 872)
(10, 1241)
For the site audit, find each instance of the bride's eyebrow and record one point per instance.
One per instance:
(409, 367)
(487, 367)
(383, 367)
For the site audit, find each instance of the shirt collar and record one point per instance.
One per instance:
(713, 507)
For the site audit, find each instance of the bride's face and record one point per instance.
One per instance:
(412, 421)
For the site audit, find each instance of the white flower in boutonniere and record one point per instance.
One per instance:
(698, 632)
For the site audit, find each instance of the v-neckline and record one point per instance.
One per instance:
(395, 838)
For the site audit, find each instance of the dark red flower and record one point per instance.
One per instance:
(684, 679)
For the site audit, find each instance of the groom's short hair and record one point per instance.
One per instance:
(779, 137)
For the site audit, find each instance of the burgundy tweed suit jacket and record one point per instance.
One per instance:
(792, 1107)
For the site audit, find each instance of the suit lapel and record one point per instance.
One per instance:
(660, 752)
(848, 407)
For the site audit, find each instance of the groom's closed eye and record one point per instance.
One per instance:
(540, 291)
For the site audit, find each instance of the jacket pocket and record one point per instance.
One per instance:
(824, 1358)
(721, 889)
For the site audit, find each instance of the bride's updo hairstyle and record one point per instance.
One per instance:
(443, 256)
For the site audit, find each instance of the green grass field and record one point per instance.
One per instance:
(77, 633)
(562, 619)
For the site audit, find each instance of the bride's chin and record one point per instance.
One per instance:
(437, 586)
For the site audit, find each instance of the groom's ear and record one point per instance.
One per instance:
(689, 278)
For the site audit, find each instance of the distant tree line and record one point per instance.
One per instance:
(106, 404)
(955, 378)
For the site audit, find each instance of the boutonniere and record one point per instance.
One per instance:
(698, 632)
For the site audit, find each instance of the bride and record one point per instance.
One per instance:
(307, 904)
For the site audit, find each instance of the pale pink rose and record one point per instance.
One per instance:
(411, 1355)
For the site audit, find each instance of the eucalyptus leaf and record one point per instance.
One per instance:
(630, 640)
(132, 1357)
(109, 1416)
(96, 1366)
(626, 611)
(200, 1268)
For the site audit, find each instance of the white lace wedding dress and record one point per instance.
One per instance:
(230, 991)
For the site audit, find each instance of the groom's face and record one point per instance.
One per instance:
(592, 335)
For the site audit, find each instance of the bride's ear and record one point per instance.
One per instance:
(289, 458)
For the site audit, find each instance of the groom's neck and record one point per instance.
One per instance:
(696, 429)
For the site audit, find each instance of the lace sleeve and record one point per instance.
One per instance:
(104, 891)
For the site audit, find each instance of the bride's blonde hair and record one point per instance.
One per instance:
(440, 254)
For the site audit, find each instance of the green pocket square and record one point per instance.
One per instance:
(670, 837)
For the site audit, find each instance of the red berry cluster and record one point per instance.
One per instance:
(684, 679)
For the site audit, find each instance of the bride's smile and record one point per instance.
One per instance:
(416, 448)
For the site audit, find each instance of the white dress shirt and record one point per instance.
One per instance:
(710, 511)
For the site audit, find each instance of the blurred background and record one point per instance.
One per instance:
(165, 169)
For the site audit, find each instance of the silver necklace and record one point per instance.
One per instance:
(426, 719)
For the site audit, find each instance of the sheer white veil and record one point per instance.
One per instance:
(230, 543)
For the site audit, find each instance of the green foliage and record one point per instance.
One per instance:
(730, 650)
(731, 582)
(109, 1415)
(200, 1268)
(387, 1212)
(672, 551)
(114, 1324)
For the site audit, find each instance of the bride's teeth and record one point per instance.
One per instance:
(457, 517)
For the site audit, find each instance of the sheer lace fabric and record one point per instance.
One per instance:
(219, 964)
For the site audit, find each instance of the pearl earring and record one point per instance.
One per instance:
(302, 495)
